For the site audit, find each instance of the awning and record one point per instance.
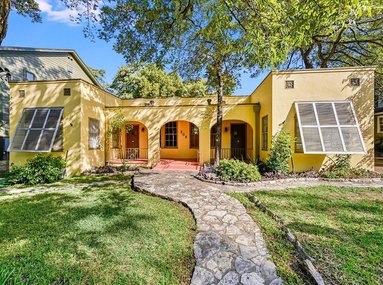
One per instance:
(36, 130)
(329, 127)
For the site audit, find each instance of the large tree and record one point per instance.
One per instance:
(338, 32)
(211, 39)
(140, 80)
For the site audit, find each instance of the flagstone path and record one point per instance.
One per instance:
(229, 247)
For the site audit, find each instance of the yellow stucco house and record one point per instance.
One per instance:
(328, 111)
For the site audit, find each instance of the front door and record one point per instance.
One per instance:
(132, 143)
(238, 141)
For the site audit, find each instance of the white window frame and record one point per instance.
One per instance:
(318, 126)
(42, 129)
(379, 130)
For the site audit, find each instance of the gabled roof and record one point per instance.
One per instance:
(70, 51)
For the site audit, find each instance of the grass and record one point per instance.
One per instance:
(281, 250)
(101, 234)
(342, 227)
(71, 180)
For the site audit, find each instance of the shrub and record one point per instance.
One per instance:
(340, 168)
(40, 169)
(280, 153)
(239, 171)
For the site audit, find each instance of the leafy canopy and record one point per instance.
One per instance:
(141, 80)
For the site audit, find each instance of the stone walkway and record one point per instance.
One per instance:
(229, 247)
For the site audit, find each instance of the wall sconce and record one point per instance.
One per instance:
(143, 129)
(209, 101)
(226, 129)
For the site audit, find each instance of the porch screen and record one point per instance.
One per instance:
(36, 130)
(329, 127)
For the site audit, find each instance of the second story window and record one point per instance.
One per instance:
(29, 76)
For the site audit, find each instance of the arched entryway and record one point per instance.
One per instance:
(130, 144)
(179, 146)
(237, 140)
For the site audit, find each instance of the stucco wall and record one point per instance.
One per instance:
(319, 85)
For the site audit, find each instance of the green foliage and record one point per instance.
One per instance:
(280, 153)
(99, 74)
(139, 80)
(38, 170)
(118, 122)
(238, 171)
(339, 168)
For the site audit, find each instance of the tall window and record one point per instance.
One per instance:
(94, 134)
(265, 132)
(194, 136)
(171, 134)
(298, 138)
(213, 133)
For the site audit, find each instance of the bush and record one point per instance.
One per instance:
(239, 171)
(280, 153)
(340, 168)
(40, 169)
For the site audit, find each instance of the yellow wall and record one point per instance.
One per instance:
(88, 101)
(85, 101)
(325, 84)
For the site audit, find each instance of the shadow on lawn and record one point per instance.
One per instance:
(96, 210)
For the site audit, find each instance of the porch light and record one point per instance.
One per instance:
(143, 129)
(226, 129)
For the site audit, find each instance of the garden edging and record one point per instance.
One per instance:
(298, 179)
(305, 258)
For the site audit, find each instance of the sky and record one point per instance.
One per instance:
(58, 31)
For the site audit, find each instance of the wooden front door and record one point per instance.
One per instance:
(238, 141)
(132, 138)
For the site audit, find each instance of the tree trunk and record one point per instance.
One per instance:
(5, 8)
(218, 136)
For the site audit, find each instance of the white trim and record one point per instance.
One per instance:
(338, 125)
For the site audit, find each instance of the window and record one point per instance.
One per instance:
(66, 91)
(171, 134)
(265, 132)
(298, 140)
(36, 130)
(194, 136)
(94, 134)
(329, 127)
(289, 84)
(379, 124)
(29, 76)
(213, 134)
(355, 82)
(21, 93)
(4, 142)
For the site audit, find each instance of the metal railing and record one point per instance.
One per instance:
(129, 153)
(234, 153)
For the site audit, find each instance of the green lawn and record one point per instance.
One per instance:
(341, 227)
(98, 235)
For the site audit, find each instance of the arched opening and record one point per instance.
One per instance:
(237, 140)
(179, 145)
(130, 144)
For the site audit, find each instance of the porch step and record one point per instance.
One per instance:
(169, 164)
